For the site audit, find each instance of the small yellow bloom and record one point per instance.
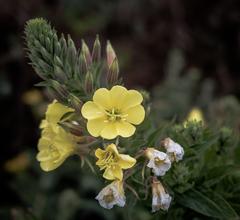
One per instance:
(54, 148)
(55, 144)
(113, 162)
(195, 115)
(114, 112)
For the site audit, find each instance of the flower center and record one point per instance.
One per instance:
(115, 115)
(108, 198)
(109, 160)
(158, 162)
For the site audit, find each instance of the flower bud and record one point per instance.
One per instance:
(96, 53)
(73, 128)
(75, 102)
(89, 83)
(86, 53)
(113, 72)
(82, 64)
(61, 89)
(111, 55)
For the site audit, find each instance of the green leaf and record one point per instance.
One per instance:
(216, 174)
(211, 204)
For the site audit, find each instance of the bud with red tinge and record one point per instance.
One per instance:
(111, 55)
(96, 53)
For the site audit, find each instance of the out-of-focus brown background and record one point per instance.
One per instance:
(142, 33)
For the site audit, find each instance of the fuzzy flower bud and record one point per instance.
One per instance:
(111, 55)
(75, 102)
(89, 83)
(86, 53)
(113, 72)
(96, 53)
(82, 64)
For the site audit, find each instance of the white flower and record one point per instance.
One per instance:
(174, 150)
(158, 161)
(112, 194)
(160, 199)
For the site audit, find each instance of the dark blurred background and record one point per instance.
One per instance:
(143, 32)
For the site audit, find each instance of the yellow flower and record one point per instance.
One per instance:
(55, 144)
(114, 112)
(195, 115)
(113, 162)
(54, 148)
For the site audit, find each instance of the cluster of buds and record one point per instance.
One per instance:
(160, 162)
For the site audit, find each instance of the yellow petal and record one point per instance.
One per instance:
(55, 111)
(43, 143)
(125, 129)
(125, 161)
(45, 155)
(108, 174)
(132, 99)
(102, 98)
(64, 141)
(135, 115)
(99, 153)
(117, 172)
(49, 165)
(95, 126)
(43, 124)
(91, 111)
(117, 95)
(109, 131)
(112, 148)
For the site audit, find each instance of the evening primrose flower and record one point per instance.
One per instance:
(158, 161)
(55, 144)
(112, 194)
(174, 150)
(195, 115)
(160, 198)
(112, 162)
(54, 148)
(114, 112)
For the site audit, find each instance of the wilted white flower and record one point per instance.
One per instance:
(112, 194)
(174, 150)
(158, 161)
(160, 199)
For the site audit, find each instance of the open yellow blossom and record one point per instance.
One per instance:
(114, 112)
(54, 148)
(55, 144)
(113, 162)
